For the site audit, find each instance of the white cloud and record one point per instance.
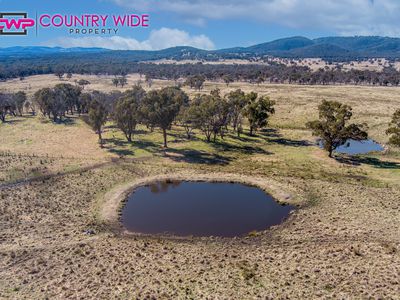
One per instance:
(341, 16)
(166, 37)
(158, 39)
(114, 43)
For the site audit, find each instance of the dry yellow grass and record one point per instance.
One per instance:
(35, 146)
(39, 136)
(342, 242)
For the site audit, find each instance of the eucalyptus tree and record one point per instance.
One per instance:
(185, 119)
(43, 99)
(228, 79)
(82, 83)
(201, 114)
(237, 101)
(84, 102)
(394, 129)
(161, 107)
(69, 94)
(97, 116)
(19, 99)
(195, 82)
(127, 111)
(332, 125)
(122, 80)
(209, 113)
(258, 110)
(221, 113)
(51, 103)
(59, 72)
(5, 105)
(115, 81)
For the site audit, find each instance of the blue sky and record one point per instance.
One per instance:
(211, 24)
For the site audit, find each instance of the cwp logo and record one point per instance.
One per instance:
(15, 23)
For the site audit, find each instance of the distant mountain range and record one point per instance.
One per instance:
(40, 50)
(329, 48)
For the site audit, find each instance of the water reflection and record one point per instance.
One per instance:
(201, 209)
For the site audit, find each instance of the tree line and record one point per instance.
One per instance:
(273, 73)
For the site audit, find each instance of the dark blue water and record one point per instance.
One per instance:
(353, 147)
(201, 209)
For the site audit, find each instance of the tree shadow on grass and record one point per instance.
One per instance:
(141, 131)
(148, 146)
(196, 157)
(111, 126)
(121, 152)
(242, 149)
(292, 143)
(269, 133)
(372, 161)
(119, 146)
(66, 121)
(245, 138)
(11, 122)
(122, 147)
(272, 135)
(181, 137)
(184, 139)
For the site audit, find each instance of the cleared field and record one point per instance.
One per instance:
(342, 242)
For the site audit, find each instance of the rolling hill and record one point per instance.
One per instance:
(330, 48)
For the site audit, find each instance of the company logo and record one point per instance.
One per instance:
(15, 23)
